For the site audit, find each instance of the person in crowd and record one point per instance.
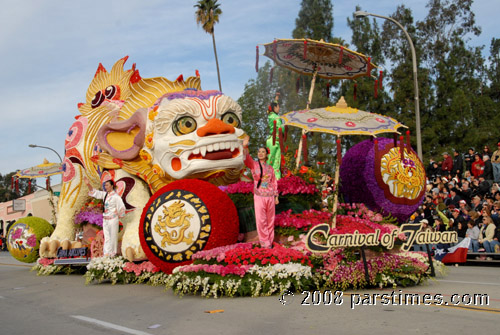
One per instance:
(438, 180)
(477, 205)
(461, 230)
(465, 212)
(469, 158)
(477, 166)
(487, 170)
(465, 191)
(447, 165)
(458, 163)
(474, 186)
(473, 234)
(490, 201)
(433, 170)
(467, 175)
(454, 198)
(265, 193)
(441, 222)
(484, 186)
(495, 162)
(114, 208)
(459, 223)
(425, 227)
(495, 213)
(428, 208)
(488, 241)
(486, 151)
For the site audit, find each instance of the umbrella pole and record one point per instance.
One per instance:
(309, 99)
(336, 195)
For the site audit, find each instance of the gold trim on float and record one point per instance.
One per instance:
(184, 142)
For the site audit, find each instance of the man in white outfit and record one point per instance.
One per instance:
(113, 210)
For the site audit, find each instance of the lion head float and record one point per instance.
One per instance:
(144, 134)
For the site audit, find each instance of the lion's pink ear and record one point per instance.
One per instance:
(124, 139)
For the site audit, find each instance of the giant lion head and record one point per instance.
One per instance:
(187, 134)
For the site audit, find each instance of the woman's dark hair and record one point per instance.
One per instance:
(111, 182)
(273, 104)
(260, 166)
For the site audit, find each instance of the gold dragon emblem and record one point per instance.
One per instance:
(173, 224)
(405, 178)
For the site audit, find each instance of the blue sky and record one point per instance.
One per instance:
(51, 49)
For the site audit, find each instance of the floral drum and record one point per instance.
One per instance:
(382, 179)
(183, 218)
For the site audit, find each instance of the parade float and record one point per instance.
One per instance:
(175, 154)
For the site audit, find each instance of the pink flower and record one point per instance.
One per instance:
(46, 261)
(138, 269)
(31, 242)
(17, 234)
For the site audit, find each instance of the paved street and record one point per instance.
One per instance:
(63, 304)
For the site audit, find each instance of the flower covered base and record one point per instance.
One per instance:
(248, 270)
(245, 269)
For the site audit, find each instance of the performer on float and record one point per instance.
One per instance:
(274, 149)
(265, 194)
(114, 209)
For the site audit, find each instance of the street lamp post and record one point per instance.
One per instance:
(359, 14)
(39, 146)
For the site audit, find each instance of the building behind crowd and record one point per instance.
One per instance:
(37, 204)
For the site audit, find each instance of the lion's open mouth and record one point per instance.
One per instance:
(216, 155)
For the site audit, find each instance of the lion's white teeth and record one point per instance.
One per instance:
(196, 151)
(210, 148)
(228, 145)
(233, 145)
(216, 147)
(203, 150)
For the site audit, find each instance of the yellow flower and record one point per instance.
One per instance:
(145, 156)
(149, 140)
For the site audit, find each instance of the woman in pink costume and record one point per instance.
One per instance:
(265, 194)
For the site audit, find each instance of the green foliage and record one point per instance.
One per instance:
(241, 200)
(315, 20)
(207, 14)
(6, 192)
(459, 90)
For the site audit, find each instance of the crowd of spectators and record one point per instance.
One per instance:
(463, 195)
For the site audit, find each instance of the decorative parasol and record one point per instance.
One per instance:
(43, 170)
(318, 58)
(310, 57)
(341, 120)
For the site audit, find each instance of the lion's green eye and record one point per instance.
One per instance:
(232, 119)
(184, 125)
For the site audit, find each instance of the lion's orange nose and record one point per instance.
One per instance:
(215, 127)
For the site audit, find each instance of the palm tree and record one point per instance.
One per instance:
(207, 14)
